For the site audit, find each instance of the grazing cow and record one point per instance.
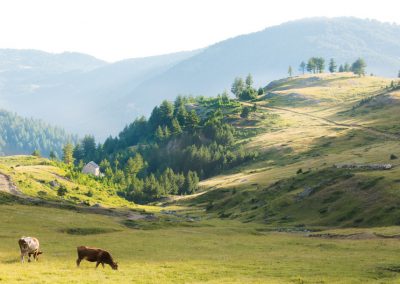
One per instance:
(95, 255)
(29, 246)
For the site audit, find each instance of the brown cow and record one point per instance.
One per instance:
(29, 246)
(95, 255)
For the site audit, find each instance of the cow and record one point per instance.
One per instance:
(29, 246)
(95, 255)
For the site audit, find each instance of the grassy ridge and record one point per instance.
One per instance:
(323, 120)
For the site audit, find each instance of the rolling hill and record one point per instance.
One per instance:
(88, 95)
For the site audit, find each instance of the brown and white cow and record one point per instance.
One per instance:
(29, 246)
(95, 255)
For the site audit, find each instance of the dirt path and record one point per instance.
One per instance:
(6, 185)
(329, 121)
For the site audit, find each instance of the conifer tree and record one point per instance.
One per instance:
(332, 66)
(68, 154)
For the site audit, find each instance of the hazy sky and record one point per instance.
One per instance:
(117, 29)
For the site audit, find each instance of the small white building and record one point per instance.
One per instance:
(91, 168)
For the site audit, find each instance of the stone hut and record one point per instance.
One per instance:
(91, 168)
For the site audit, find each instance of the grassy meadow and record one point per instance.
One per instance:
(212, 251)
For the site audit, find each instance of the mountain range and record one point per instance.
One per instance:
(87, 95)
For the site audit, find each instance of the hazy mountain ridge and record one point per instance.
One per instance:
(104, 99)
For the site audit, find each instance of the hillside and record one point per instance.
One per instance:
(329, 120)
(20, 135)
(319, 142)
(87, 95)
(287, 215)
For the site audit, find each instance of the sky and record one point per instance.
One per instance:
(113, 30)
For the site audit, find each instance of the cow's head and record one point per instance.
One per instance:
(22, 243)
(114, 265)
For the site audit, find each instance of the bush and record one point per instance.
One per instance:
(245, 112)
(393, 157)
(62, 190)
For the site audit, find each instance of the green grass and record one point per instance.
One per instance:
(216, 252)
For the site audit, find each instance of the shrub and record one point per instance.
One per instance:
(62, 190)
(393, 157)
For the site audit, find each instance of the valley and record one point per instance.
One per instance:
(289, 214)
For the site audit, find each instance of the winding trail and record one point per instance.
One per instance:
(329, 121)
(7, 186)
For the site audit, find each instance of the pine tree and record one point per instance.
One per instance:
(358, 67)
(36, 153)
(159, 135)
(53, 155)
(302, 67)
(332, 66)
(320, 64)
(193, 119)
(249, 81)
(176, 128)
(290, 71)
(166, 131)
(311, 65)
(237, 87)
(346, 67)
(341, 68)
(68, 154)
(134, 165)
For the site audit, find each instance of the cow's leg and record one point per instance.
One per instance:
(22, 257)
(78, 261)
(35, 256)
(97, 264)
(29, 257)
(102, 264)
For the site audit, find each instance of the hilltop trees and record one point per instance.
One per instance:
(316, 65)
(290, 71)
(243, 91)
(358, 67)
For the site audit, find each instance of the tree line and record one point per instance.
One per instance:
(317, 65)
(20, 135)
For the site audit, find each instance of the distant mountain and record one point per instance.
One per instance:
(267, 55)
(75, 91)
(20, 135)
(86, 95)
